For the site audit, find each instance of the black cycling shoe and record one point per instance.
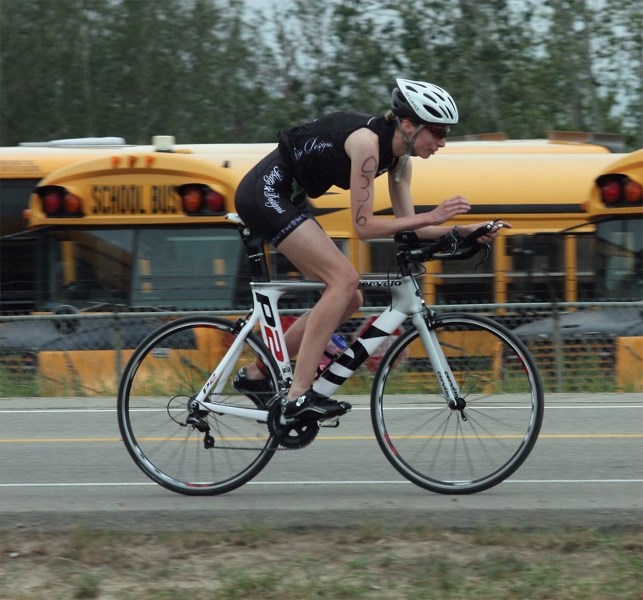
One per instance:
(312, 406)
(260, 391)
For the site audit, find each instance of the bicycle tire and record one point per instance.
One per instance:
(167, 370)
(430, 443)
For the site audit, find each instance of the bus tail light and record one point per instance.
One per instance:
(633, 192)
(199, 200)
(611, 191)
(619, 190)
(58, 201)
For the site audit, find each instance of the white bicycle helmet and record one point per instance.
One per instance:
(424, 101)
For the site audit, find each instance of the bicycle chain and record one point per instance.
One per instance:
(307, 432)
(248, 448)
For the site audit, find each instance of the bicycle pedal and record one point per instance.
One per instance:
(333, 423)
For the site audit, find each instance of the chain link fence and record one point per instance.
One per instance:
(578, 347)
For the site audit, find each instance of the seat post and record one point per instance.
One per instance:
(256, 255)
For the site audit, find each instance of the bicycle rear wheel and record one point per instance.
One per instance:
(451, 451)
(163, 375)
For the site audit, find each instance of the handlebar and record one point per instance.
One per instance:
(451, 246)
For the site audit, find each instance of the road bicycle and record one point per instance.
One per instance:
(456, 402)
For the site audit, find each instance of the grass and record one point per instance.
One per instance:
(17, 383)
(584, 376)
(373, 561)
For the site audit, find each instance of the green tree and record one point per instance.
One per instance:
(136, 74)
(43, 63)
(217, 71)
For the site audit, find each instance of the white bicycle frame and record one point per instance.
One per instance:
(406, 301)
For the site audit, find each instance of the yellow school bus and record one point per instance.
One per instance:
(616, 209)
(145, 229)
(115, 230)
(612, 334)
(541, 195)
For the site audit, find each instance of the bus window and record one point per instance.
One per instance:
(382, 265)
(88, 267)
(468, 280)
(15, 198)
(620, 259)
(281, 268)
(382, 254)
(538, 267)
(173, 268)
(586, 267)
(187, 268)
(17, 252)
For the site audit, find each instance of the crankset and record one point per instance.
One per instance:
(293, 436)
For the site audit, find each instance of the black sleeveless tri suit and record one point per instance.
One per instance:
(272, 197)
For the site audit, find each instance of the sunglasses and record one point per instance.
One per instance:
(439, 132)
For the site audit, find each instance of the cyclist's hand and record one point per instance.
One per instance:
(489, 237)
(446, 210)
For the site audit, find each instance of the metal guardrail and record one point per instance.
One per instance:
(492, 307)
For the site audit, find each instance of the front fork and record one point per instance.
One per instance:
(441, 368)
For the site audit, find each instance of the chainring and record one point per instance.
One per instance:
(294, 436)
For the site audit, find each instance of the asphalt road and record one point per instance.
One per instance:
(62, 464)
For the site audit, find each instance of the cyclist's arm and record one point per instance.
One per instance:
(363, 149)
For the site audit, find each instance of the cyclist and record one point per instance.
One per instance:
(346, 149)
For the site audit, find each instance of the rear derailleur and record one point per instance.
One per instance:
(197, 420)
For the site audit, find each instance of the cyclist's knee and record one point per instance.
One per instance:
(341, 275)
(344, 286)
(351, 287)
(353, 282)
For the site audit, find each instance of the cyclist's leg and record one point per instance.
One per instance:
(314, 254)
(310, 249)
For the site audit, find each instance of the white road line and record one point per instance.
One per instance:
(312, 483)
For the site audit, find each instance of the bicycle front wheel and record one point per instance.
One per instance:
(452, 451)
(163, 375)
